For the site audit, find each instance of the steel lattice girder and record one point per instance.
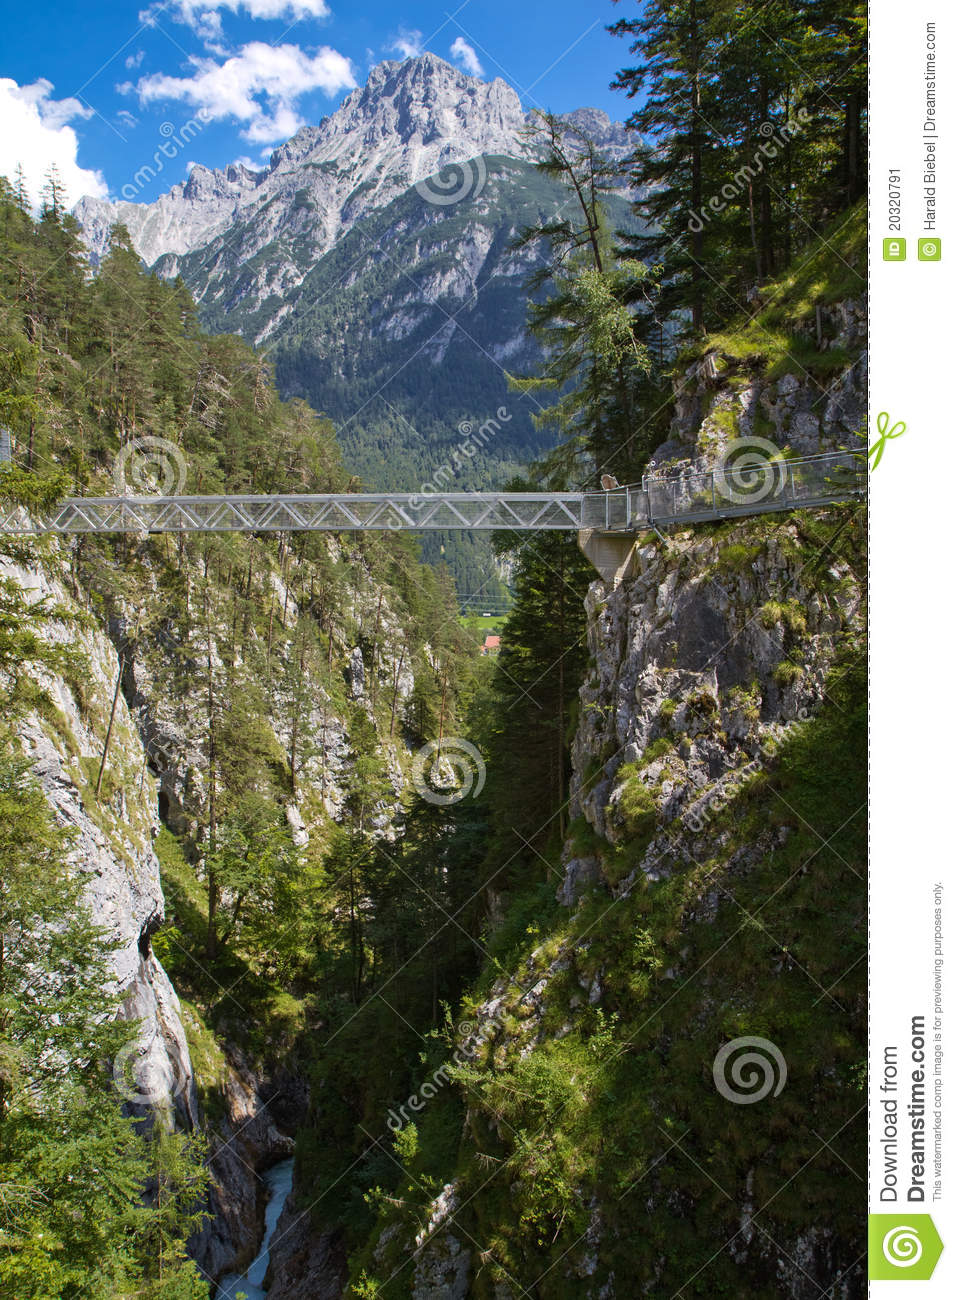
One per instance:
(291, 513)
(691, 498)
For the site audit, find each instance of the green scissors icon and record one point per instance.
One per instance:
(886, 432)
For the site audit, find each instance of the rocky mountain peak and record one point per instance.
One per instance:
(422, 112)
(410, 120)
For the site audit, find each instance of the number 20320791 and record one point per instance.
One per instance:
(894, 201)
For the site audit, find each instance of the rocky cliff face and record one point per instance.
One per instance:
(165, 684)
(721, 664)
(724, 396)
(304, 1264)
(113, 848)
(156, 764)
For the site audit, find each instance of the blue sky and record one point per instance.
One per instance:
(98, 88)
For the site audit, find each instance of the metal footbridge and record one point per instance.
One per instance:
(658, 501)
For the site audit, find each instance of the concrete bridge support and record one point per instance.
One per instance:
(612, 554)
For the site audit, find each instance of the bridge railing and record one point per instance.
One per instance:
(749, 486)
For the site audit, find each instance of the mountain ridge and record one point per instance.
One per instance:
(411, 119)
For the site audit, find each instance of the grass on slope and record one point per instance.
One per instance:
(781, 334)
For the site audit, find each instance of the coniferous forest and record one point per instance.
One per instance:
(646, 835)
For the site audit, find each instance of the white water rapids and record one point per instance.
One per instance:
(278, 1182)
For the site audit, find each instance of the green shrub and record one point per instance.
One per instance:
(636, 802)
(787, 673)
(657, 749)
(788, 614)
(737, 557)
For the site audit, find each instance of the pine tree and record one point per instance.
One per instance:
(537, 673)
(589, 320)
(750, 136)
(671, 155)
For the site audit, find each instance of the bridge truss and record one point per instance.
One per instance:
(659, 501)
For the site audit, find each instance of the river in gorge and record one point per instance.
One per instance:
(278, 1182)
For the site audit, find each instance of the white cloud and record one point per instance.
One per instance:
(53, 112)
(258, 86)
(203, 16)
(408, 44)
(134, 60)
(463, 53)
(34, 133)
(127, 119)
(209, 28)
